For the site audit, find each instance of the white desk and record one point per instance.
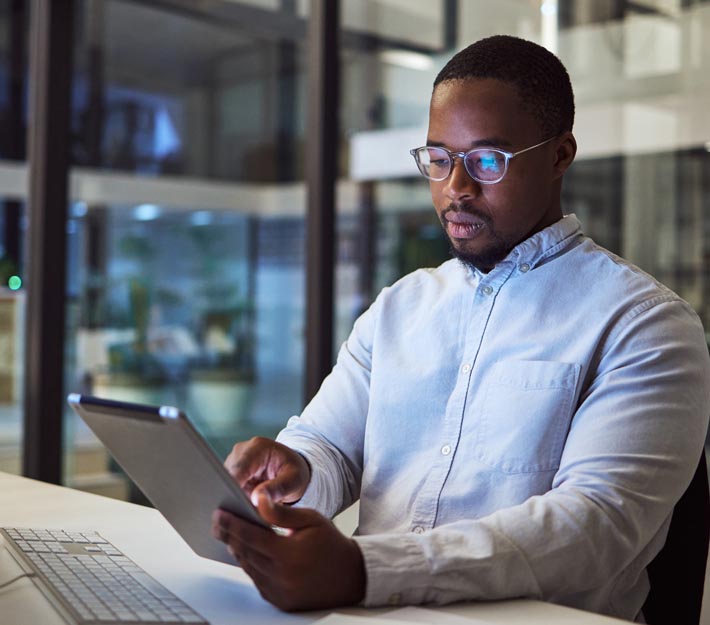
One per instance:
(221, 593)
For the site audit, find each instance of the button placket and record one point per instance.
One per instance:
(426, 505)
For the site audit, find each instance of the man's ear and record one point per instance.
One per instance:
(565, 152)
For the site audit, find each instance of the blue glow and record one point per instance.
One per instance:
(146, 212)
(79, 209)
(489, 163)
(201, 218)
(166, 139)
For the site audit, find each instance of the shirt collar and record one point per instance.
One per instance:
(535, 249)
(547, 242)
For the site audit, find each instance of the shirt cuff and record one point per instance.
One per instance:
(317, 495)
(396, 570)
(313, 496)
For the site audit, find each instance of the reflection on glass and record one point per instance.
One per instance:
(186, 234)
(166, 92)
(199, 309)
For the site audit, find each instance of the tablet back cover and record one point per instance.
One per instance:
(172, 464)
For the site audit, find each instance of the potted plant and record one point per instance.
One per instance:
(221, 378)
(133, 372)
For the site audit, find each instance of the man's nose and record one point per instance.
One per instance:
(459, 184)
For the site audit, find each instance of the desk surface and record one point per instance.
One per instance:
(217, 591)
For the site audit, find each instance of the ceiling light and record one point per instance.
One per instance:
(548, 7)
(405, 58)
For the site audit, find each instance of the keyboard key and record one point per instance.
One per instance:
(151, 585)
(60, 536)
(144, 614)
(37, 546)
(27, 534)
(56, 547)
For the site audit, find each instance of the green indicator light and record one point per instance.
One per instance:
(14, 282)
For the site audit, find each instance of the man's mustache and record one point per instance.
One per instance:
(468, 209)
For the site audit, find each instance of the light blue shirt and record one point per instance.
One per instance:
(521, 433)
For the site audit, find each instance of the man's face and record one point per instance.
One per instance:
(484, 222)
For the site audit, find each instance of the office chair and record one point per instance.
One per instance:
(677, 573)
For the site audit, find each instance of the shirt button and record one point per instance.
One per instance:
(418, 529)
(466, 368)
(395, 599)
(487, 290)
(446, 450)
(524, 267)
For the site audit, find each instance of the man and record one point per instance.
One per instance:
(518, 422)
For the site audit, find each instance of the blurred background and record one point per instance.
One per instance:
(186, 221)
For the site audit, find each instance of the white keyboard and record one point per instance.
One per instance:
(92, 581)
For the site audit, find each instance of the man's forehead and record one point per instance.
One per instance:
(489, 109)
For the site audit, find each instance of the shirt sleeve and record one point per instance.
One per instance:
(330, 432)
(632, 449)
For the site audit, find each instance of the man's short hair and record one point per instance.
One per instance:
(542, 82)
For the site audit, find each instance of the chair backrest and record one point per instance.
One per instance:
(677, 573)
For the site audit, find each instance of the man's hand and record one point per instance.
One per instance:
(262, 465)
(313, 566)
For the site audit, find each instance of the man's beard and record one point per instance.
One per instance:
(488, 258)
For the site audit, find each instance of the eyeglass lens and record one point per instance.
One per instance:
(484, 165)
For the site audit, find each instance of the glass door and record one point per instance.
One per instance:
(186, 230)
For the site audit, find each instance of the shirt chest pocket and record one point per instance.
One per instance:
(525, 412)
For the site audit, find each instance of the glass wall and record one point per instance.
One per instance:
(186, 236)
(13, 124)
(386, 226)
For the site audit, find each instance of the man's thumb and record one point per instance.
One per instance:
(284, 516)
(279, 488)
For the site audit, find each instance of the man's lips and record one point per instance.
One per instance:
(461, 225)
(463, 218)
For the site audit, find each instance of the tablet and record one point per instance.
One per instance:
(172, 464)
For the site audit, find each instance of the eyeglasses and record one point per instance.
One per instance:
(484, 165)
